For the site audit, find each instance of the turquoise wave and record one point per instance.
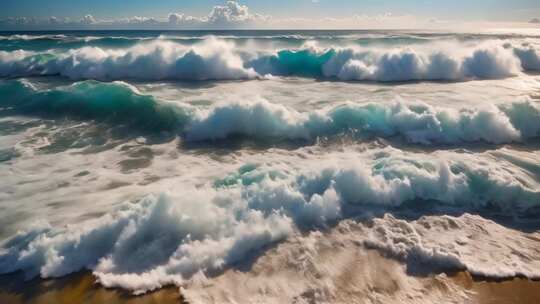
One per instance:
(91, 100)
(417, 123)
(219, 59)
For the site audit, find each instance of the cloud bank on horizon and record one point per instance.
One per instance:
(234, 15)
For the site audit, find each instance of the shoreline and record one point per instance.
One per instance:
(499, 291)
(81, 287)
(334, 266)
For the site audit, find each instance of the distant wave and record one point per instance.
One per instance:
(218, 59)
(235, 36)
(33, 37)
(168, 238)
(120, 103)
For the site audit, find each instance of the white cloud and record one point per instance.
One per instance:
(20, 21)
(233, 14)
(53, 20)
(138, 20)
(175, 18)
(88, 19)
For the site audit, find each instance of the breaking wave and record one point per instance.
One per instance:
(529, 56)
(159, 60)
(120, 103)
(447, 243)
(417, 123)
(171, 238)
(115, 102)
(219, 59)
(394, 65)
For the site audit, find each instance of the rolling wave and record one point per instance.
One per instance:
(417, 123)
(218, 59)
(115, 102)
(399, 65)
(120, 103)
(168, 238)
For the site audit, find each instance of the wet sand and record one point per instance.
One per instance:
(513, 291)
(81, 288)
(74, 289)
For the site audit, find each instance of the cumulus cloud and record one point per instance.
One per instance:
(20, 21)
(53, 20)
(88, 19)
(234, 14)
(175, 18)
(231, 12)
(179, 19)
(535, 20)
(138, 20)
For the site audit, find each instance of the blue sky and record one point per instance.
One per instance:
(464, 10)
(477, 9)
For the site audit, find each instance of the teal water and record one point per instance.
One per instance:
(163, 156)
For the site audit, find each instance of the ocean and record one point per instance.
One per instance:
(168, 158)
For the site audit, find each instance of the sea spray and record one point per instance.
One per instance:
(167, 238)
(218, 59)
(418, 123)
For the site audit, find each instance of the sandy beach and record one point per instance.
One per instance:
(81, 288)
(76, 288)
(329, 267)
(516, 290)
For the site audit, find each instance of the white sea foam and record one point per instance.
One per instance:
(33, 37)
(329, 267)
(468, 242)
(529, 57)
(145, 211)
(417, 122)
(167, 238)
(213, 58)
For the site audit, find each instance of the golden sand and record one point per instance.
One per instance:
(75, 289)
(81, 288)
(514, 291)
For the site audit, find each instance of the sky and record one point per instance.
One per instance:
(263, 14)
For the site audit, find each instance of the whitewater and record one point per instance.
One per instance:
(200, 158)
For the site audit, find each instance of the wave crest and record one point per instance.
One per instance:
(116, 102)
(217, 59)
(213, 59)
(418, 123)
(391, 65)
(169, 238)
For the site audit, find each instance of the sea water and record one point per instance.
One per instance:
(151, 157)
